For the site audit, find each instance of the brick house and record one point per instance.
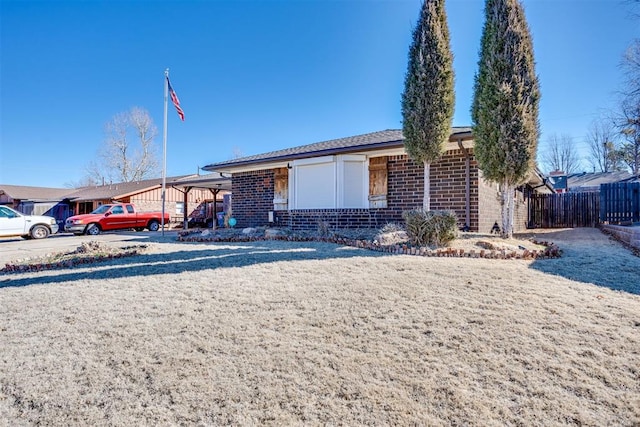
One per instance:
(363, 181)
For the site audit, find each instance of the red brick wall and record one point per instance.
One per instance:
(521, 214)
(405, 184)
(253, 196)
(310, 219)
(491, 209)
(448, 186)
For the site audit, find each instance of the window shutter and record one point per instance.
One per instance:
(281, 189)
(378, 182)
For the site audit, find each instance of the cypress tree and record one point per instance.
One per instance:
(505, 103)
(428, 97)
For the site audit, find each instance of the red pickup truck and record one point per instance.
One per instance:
(120, 216)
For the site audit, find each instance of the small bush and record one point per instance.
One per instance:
(323, 228)
(391, 227)
(431, 228)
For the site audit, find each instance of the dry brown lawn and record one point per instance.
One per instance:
(281, 333)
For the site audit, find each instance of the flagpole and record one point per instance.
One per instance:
(164, 144)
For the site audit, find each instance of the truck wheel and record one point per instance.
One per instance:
(93, 230)
(39, 232)
(154, 225)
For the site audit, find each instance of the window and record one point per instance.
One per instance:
(329, 182)
(130, 209)
(117, 210)
(6, 213)
(179, 208)
(85, 207)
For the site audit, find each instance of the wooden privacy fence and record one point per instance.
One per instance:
(565, 210)
(620, 202)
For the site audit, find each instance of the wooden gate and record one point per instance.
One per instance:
(620, 202)
(565, 210)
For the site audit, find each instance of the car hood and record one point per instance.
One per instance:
(41, 218)
(84, 216)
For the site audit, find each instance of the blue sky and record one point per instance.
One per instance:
(257, 76)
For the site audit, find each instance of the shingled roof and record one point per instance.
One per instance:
(590, 181)
(34, 194)
(120, 189)
(389, 138)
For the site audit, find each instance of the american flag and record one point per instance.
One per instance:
(175, 100)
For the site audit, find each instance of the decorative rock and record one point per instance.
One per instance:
(272, 233)
(248, 230)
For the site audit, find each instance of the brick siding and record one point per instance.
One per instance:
(312, 219)
(253, 197)
(491, 210)
(447, 185)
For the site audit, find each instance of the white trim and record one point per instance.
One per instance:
(313, 161)
(290, 185)
(252, 168)
(352, 158)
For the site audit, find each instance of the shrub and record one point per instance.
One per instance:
(427, 228)
(323, 228)
(391, 227)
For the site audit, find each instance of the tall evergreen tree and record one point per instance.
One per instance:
(505, 102)
(428, 97)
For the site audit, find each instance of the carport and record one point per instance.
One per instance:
(214, 182)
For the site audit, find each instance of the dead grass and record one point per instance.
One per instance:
(281, 333)
(87, 253)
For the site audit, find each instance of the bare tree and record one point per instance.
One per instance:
(562, 154)
(603, 146)
(628, 120)
(631, 68)
(237, 153)
(128, 153)
(630, 129)
(86, 181)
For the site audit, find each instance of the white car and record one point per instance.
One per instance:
(13, 223)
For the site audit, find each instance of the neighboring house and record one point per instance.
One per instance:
(363, 181)
(36, 200)
(181, 194)
(586, 181)
(31, 200)
(184, 195)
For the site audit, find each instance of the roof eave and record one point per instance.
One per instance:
(231, 166)
(227, 167)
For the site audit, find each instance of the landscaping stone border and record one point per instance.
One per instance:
(551, 250)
